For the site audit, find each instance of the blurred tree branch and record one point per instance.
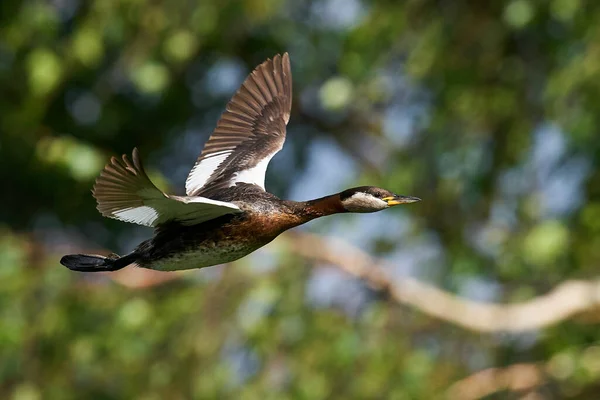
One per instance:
(516, 378)
(563, 302)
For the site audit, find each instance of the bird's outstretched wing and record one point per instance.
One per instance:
(249, 133)
(124, 192)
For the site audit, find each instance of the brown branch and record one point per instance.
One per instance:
(563, 302)
(516, 378)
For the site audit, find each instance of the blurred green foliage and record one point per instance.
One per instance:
(487, 110)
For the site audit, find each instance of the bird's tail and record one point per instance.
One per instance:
(94, 263)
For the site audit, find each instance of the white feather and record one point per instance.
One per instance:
(142, 215)
(204, 200)
(255, 175)
(203, 171)
(191, 210)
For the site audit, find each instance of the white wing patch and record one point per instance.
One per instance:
(255, 175)
(203, 171)
(142, 215)
(205, 200)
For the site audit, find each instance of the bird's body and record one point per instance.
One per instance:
(227, 213)
(226, 238)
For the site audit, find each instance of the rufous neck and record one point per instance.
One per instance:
(309, 210)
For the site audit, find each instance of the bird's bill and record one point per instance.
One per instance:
(395, 200)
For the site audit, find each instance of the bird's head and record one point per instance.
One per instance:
(366, 199)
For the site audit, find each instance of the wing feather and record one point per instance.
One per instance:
(124, 192)
(249, 133)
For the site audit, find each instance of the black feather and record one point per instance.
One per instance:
(93, 263)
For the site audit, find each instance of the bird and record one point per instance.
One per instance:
(226, 213)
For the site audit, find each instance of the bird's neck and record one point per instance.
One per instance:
(309, 210)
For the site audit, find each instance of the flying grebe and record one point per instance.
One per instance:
(227, 213)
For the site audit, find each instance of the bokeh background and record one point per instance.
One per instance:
(489, 111)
